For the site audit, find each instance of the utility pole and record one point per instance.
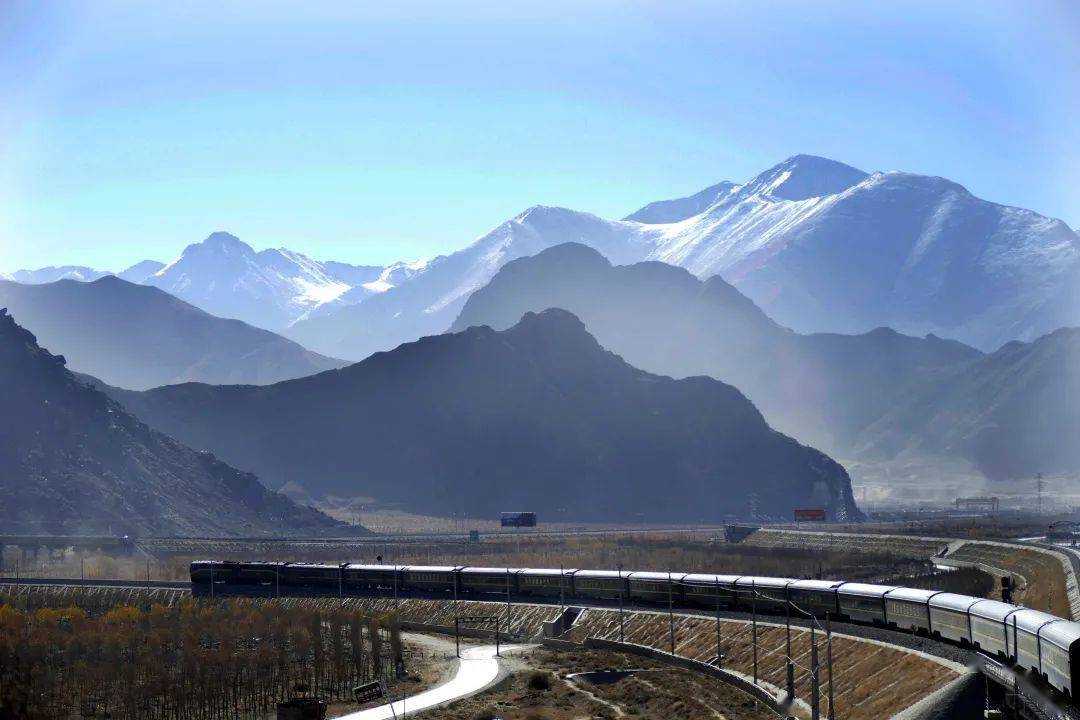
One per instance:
(1040, 485)
(815, 692)
(508, 600)
(790, 665)
(719, 661)
(753, 621)
(828, 660)
(670, 612)
(621, 588)
(277, 581)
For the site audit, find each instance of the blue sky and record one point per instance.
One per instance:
(372, 132)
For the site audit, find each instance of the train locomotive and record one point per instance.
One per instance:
(1033, 641)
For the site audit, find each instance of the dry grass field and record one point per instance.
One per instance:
(1041, 575)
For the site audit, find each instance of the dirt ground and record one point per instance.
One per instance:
(538, 689)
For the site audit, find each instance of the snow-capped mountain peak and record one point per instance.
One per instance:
(271, 288)
(801, 177)
(54, 273)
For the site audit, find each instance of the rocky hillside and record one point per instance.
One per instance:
(537, 417)
(74, 461)
(139, 337)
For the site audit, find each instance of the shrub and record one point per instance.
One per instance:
(539, 681)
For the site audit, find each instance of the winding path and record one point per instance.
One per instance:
(478, 669)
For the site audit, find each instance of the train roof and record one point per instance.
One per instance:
(655, 576)
(548, 571)
(816, 584)
(431, 568)
(992, 610)
(1031, 620)
(1063, 633)
(704, 579)
(612, 574)
(911, 594)
(952, 601)
(765, 582)
(320, 566)
(367, 567)
(490, 570)
(864, 589)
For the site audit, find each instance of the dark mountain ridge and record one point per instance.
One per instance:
(74, 461)
(538, 416)
(138, 337)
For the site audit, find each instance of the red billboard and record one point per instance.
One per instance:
(809, 514)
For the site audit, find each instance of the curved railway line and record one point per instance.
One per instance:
(948, 653)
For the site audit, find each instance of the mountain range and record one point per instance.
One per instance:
(536, 416)
(74, 461)
(818, 245)
(876, 396)
(140, 337)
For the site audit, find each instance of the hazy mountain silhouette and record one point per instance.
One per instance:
(140, 337)
(1013, 414)
(823, 389)
(72, 460)
(536, 417)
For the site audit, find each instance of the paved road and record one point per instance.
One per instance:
(477, 670)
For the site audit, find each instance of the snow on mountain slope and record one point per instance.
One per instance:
(52, 274)
(428, 302)
(919, 254)
(270, 289)
(141, 271)
(821, 246)
(391, 276)
(671, 211)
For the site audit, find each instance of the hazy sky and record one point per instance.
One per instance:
(371, 132)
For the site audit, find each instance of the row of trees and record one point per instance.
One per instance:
(201, 661)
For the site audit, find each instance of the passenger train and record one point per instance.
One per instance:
(1033, 641)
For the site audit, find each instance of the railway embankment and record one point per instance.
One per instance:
(871, 679)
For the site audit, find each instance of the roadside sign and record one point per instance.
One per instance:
(367, 692)
(810, 515)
